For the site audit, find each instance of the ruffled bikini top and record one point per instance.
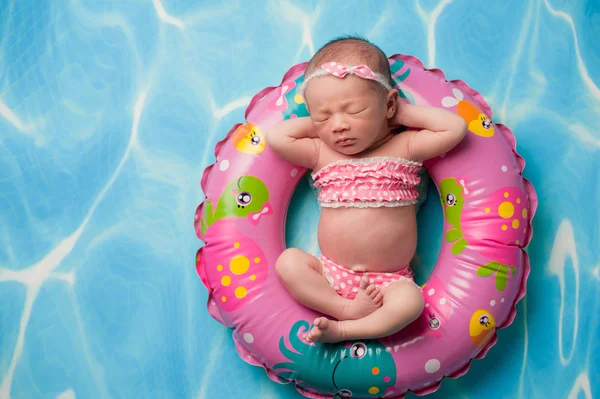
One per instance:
(368, 183)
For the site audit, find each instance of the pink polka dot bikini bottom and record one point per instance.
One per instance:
(346, 281)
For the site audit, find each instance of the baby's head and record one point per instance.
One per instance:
(351, 113)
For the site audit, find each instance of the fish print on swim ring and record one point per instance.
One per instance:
(346, 369)
(501, 216)
(247, 196)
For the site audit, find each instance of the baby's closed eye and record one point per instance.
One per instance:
(356, 111)
(320, 119)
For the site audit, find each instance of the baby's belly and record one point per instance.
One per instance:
(369, 239)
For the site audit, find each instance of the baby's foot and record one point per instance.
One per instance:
(367, 300)
(326, 330)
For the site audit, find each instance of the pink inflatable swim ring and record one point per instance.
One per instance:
(479, 277)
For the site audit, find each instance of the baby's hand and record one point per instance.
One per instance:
(433, 130)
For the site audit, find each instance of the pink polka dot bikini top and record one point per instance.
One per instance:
(368, 182)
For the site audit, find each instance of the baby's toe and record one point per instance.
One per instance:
(364, 283)
(374, 292)
(370, 290)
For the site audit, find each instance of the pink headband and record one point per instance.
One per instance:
(341, 70)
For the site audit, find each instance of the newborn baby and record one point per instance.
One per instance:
(368, 178)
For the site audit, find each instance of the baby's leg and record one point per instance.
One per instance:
(402, 304)
(302, 275)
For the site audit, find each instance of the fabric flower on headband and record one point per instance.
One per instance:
(340, 70)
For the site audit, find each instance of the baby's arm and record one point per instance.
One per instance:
(441, 130)
(295, 140)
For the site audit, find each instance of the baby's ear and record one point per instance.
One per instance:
(391, 103)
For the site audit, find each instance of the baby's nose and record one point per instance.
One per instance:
(338, 123)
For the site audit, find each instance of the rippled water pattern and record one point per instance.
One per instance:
(110, 111)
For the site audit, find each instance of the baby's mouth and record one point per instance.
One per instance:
(345, 141)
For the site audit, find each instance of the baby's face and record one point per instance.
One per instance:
(349, 115)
